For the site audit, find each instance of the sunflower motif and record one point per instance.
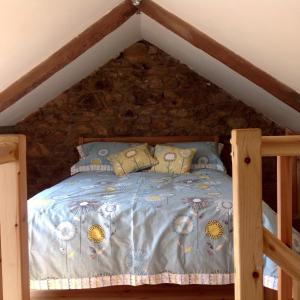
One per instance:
(225, 207)
(131, 153)
(183, 225)
(197, 204)
(82, 208)
(170, 156)
(96, 162)
(96, 234)
(185, 153)
(214, 229)
(109, 210)
(103, 152)
(65, 231)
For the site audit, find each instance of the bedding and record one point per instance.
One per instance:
(207, 155)
(96, 229)
(132, 159)
(93, 156)
(173, 160)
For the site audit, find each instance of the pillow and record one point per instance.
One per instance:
(94, 156)
(207, 155)
(173, 160)
(132, 159)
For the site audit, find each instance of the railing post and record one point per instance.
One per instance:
(13, 221)
(284, 218)
(247, 205)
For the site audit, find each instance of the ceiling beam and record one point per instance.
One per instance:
(67, 54)
(237, 63)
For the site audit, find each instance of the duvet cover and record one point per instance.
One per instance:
(96, 229)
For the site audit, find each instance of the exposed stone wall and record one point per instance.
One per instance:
(142, 92)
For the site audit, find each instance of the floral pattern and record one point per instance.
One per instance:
(97, 229)
(173, 160)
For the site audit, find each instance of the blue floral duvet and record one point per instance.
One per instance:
(95, 229)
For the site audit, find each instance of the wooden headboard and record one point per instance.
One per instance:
(152, 140)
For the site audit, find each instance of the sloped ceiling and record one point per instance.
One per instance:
(265, 32)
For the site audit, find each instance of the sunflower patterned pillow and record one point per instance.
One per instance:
(173, 160)
(132, 159)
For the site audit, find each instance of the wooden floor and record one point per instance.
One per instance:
(158, 292)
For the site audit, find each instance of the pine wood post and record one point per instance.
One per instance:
(13, 223)
(296, 290)
(247, 205)
(284, 218)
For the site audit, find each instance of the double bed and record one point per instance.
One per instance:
(95, 229)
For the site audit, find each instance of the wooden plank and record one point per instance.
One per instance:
(13, 225)
(280, 145)
(232, 60)
(282, 255)
(296, 290)
(8, 152)
(150, 292)
(66, 54)
(284, 219)
(150, 139)
(247, 218)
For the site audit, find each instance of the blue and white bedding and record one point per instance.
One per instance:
(96, 229)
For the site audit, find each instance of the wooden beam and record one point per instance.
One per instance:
(288, 145)
(247, 197)
(67, 54)
(232, 60)
(8, 151)
(282, 255)
(284, 219)
(296, 290)
(13, 224)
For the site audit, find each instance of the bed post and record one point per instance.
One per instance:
(13, 218)
(247, 219)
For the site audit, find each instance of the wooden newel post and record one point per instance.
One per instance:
(13, 219)
(247, 220)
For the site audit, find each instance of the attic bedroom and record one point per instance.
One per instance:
(135, 136)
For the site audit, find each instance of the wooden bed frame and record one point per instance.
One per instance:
(250, 239)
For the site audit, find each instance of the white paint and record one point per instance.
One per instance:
(248, 27)
(221, 75)
(108, 48)
(32, 30)
(265, 32)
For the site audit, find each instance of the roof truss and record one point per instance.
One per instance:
(117, 17)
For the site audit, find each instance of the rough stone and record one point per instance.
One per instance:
(144, 91)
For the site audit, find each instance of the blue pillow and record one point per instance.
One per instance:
(94, 156)
(207, 155)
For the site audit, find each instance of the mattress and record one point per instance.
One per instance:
(95, 229)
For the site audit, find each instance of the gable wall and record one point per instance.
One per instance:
(142, 92)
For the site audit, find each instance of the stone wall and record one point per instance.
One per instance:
(142, 92)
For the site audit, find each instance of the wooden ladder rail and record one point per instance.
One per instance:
(248, 146)
(13, 219)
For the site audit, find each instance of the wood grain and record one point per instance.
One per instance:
(237, 63)
(152, 140)
(286, 145)
(66, 54)
(281, 254)
(284, 218)
(247, 213)
(8, 152)
(13, 223)
(146, 292)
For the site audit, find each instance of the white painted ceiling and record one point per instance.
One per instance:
(265, 32)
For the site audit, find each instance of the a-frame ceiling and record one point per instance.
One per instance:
(248, 29)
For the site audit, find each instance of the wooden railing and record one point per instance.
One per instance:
(251, 240)
(14, 279)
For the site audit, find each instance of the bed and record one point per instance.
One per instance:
(144, 228)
